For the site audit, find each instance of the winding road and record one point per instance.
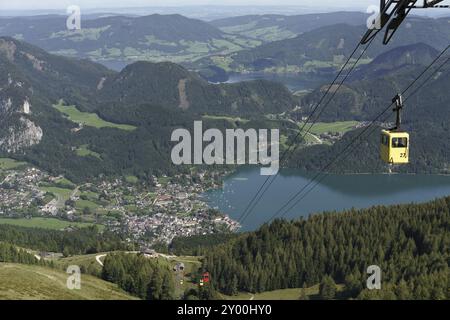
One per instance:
(99, 257)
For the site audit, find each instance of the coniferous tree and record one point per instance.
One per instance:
(327, 289)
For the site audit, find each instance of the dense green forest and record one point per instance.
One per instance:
(81, 241)
(198, 245)
(410, 243)
(174, 87)
(10, 253)
(142, 277)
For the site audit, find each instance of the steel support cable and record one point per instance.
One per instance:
(299, 133)
(255, 203)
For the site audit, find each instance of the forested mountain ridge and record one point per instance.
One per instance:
(408, 242)
(31, 80)
(373, 86)
(172, 86)
(410, 55)
(75, 242)
(370, 91)
(325, 48)
(50, 75)
(271, 27)
(153, 99)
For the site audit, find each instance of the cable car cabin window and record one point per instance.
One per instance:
(384, 140)
(399, 142)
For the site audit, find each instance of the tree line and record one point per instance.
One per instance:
(142, 277)
(410, 243)
(80, 241)
(12, 254)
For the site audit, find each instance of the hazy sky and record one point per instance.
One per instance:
(62, 4)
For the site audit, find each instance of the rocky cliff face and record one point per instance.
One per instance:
(17, 131)
(21, 135)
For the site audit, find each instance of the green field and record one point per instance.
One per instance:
(233, 121)
(24, 282)
(89, 119)
(65, 182)
(268, 34)
(44, 223)
(333, 127)
(83, 151)
(81, 204)
(9, 164)
(132, 179)
(87, 261)
(62, 194)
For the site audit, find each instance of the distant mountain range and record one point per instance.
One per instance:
(325, 49)
(311, 43)
(117, 40)
(271, 27)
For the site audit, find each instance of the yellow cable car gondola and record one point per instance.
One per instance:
(395, 142)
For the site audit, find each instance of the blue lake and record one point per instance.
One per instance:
(335, 192)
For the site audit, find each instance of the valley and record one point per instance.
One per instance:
(280, 286)
(87, 177)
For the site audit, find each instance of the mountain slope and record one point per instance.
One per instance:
(31, 81)
(411, 55)
(172, 86)
(368, 94)
(374, 85)
(26, 282)
(406, 241)
(325, 49)
(50, 106)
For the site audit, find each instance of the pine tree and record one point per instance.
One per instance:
(402, 291)
(234, 286)
(327, 288)
(154, 289)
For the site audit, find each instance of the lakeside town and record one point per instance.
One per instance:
(150, 212)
